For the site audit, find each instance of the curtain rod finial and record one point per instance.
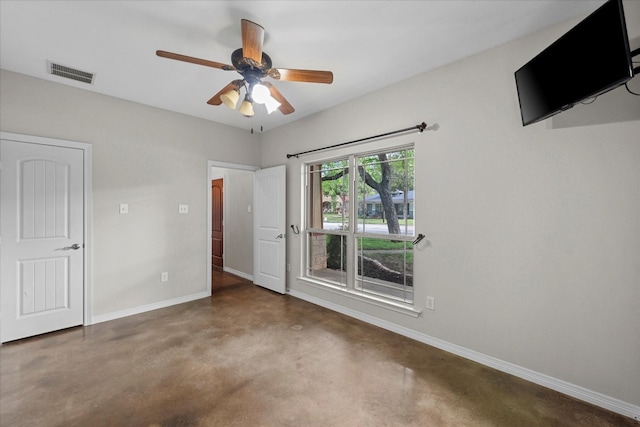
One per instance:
(422, 126)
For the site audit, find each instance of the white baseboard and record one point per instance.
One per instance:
(149, 307)
(238, 273)
(581, 393)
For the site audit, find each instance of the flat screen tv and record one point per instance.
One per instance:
(590, 59)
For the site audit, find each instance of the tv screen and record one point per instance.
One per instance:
(591, 58)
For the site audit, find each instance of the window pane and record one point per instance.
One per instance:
(328, 196)
(385, 193)
(385, 267)
(327, 257)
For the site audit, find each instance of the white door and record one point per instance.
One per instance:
(270, 244)
(42, 230)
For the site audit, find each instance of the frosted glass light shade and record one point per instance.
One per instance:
(230, 99)
(246, 108)
(272, 105)
(260, 93)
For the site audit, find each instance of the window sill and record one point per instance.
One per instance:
(401, 308)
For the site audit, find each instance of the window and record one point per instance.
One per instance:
(360, 223)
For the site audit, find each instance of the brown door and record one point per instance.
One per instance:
(216, 223)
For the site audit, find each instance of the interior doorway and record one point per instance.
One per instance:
(236, 217)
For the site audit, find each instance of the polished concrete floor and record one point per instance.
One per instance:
(249, 357)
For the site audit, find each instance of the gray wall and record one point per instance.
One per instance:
(151, 159)
(534, 255)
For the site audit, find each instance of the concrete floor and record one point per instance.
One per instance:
(250, 357)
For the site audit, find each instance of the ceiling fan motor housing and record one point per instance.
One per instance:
(243, 64)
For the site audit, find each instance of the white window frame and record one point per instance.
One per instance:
(350, 288)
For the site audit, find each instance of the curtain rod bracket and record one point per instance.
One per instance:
(421, 127)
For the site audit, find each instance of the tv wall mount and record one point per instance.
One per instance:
(633, 54)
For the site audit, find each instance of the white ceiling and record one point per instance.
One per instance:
(367, 44)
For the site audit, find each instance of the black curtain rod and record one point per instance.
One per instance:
(421, 127)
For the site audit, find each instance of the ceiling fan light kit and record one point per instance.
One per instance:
(246, 108)
(254, 65)
(230, 99)
(271, 104)
(260, 93)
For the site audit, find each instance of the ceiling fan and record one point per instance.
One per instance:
(254, 65)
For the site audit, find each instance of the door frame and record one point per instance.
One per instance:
(210, 177)
(87, 207)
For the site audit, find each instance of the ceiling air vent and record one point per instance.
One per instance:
(70, 73)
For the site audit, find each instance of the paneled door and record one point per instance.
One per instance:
(269, 223)
(217, 231)
(42, 229)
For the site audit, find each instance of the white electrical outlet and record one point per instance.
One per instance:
(431, 303)
(183, 208)
(164, 277)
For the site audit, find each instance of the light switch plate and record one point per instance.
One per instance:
(431, 303)
(124, 208)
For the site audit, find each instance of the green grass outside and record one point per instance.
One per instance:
(371, 244)
(388, 252)
(392, 259)
(336, 218)
(377, 248)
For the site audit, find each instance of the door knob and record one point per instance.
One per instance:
(74, 247)
(280, 236)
